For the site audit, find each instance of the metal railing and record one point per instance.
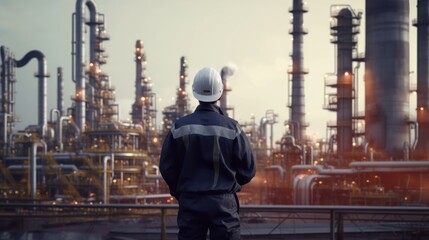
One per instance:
(158, 221)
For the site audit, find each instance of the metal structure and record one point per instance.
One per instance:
(7, 107)
(144, 107)
(60, 94)
(181, 108)
(422, 24)
(345, 24)
(387, 77)
(297, 105)
(157, 221)
(85, 154)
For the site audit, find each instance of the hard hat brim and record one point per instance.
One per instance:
(207, 98)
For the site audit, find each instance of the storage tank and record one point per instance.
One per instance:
(387, 77)
(422, 24)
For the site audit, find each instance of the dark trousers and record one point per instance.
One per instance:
(199, 213)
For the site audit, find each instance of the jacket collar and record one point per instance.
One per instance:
(209, 107)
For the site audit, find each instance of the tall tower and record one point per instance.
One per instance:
(182, 96)
(181, 108)
(144, 107)
(297, 106)
(137, 107)
(422, 25)
(387, 77)
(344, 27)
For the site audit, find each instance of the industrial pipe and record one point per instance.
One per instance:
(42, 75)
(110, 158)
(79, 59)
(33, 167)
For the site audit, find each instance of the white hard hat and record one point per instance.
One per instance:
(207, 85)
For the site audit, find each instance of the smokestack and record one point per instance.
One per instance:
(226, 72)
(387, 76)
(297, 107)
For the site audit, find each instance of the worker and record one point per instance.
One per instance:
(205, 159)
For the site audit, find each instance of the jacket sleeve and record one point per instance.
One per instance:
(168, 164)
(245, 165)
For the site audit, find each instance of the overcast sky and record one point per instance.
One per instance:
(252, 34)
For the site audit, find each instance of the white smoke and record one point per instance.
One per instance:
(229, 69)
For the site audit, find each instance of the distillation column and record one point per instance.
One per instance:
(182, 96)
(137, 108)
(387, 77)
(7, 107)
(60, 99)
(79, 57)
(344, 29)
(144, 106)
(422, 24)
(297, 107)
(173, 112)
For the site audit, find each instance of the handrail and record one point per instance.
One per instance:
(336, 216)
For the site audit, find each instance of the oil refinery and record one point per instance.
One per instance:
(84, 153)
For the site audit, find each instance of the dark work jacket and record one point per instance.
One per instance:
(206, 152)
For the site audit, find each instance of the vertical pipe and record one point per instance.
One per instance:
(3, 79)
(3, 127)
(182, 98)
(79, 61)
(298, 72)
(163, 223)
(42, 76)
(224, 98)
(80, 88)
(105, 179)
(91, 88)
(387, 76)
(422, 24)
(33, 170)
(60, 99)
(42, 101)
(4, 132)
